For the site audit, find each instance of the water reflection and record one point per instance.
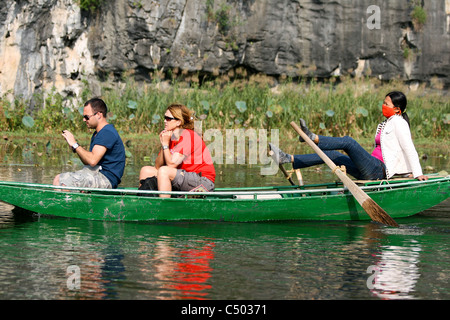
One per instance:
(183, 273)
(304, 260)
(163, 269)
(397, 271)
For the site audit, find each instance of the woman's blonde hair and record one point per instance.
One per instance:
(182, 113)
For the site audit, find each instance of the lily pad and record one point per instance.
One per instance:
(447, 118)
(28, 121)
(156, 118)
(241, 106)
(205, 105)
(132, 104)
(362, 111)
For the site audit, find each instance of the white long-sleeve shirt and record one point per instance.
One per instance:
(399, 154)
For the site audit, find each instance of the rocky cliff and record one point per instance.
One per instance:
(53, 43)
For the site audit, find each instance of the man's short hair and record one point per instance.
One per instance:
(97, 105)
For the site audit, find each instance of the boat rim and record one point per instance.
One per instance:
(375, 185)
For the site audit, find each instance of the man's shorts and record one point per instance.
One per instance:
(188, 181)
(88, 177)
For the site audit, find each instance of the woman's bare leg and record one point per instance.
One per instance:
(165, 177)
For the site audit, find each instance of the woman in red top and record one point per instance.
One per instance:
(184, 162)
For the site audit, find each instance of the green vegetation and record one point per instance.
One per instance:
(352, 107)
(89, 5)
(418, 15)
(407, 53)
(226, 20)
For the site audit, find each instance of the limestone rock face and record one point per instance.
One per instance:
(53, 43)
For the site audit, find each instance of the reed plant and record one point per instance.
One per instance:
(334, 107)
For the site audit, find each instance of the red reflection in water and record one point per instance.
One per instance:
(189, 276)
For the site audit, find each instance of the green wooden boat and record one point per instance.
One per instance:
(399, 198)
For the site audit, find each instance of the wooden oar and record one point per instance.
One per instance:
(286, 174)
(299, 177)
(375, 212)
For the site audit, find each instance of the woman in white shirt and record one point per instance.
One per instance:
(394, 152)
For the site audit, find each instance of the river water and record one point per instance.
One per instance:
(68, 259)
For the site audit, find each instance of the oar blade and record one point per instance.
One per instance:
(372, 208)
(377, 213)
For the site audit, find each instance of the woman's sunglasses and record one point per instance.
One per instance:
(169, 118)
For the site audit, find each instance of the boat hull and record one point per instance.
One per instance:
(399, 200)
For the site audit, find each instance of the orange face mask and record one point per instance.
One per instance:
(388, 112)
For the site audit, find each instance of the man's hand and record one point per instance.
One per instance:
(91, 158)
(69, 137)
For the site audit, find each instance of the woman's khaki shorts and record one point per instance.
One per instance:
(88, 177)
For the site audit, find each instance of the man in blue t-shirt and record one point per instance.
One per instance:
(105, 160)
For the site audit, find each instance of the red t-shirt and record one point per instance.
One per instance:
(197, 156)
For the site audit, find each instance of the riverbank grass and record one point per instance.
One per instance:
(350, 107)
